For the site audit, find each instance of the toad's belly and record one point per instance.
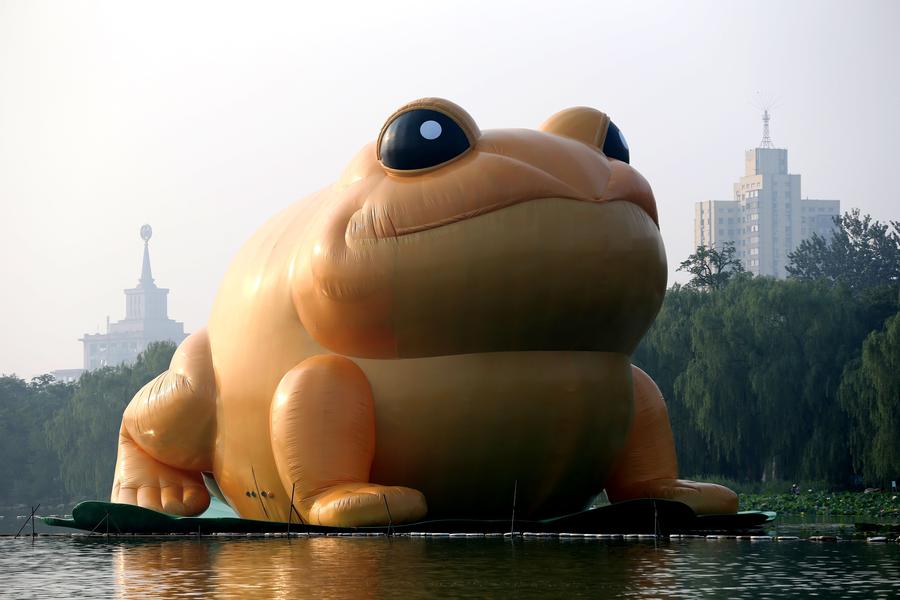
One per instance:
(461, 429)
(465, 430)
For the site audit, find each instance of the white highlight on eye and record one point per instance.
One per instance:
(430, 130)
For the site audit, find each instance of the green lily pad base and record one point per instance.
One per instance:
(634, 516)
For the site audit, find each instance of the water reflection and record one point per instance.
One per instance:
(413, 567)
(337, 567)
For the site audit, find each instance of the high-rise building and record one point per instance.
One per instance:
(767, 218)
(146, 320)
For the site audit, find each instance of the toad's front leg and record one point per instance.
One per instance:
(167, 433)
(323, 439)
(647, 467)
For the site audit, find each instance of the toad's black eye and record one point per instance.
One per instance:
(615, 145)
(421, 138)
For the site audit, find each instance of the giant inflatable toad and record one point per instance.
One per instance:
(449, 322)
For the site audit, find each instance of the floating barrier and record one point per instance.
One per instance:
(531, 535)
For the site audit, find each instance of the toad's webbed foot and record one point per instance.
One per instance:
(361, 504)
(144, 481)
(703, 498)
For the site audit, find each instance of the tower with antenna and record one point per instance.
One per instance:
(766, 217)
(766, 138)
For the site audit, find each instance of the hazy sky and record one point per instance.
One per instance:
(205, 118)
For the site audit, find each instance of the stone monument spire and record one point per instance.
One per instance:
(146, 280)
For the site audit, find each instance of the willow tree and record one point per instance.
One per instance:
(28, 466)
(870, 392)
(84, 432)
(761, 384)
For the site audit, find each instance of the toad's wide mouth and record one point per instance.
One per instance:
(547, 274)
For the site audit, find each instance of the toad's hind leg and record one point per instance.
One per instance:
(647, 468)
(323, 439)
(167, 435)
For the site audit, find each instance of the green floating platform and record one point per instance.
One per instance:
(633, 516)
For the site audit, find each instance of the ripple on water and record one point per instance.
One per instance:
(416, 567)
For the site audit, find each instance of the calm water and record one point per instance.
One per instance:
(415, 567)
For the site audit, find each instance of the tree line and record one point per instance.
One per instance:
(765, 379)
(58, 440)
(786, 379)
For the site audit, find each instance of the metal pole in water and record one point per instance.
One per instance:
(33, 510)
(388, 508)
(99, 523)
(512, 525)
(655, 525)
(291, 509)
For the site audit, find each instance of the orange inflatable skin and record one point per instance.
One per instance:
(423, 340)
